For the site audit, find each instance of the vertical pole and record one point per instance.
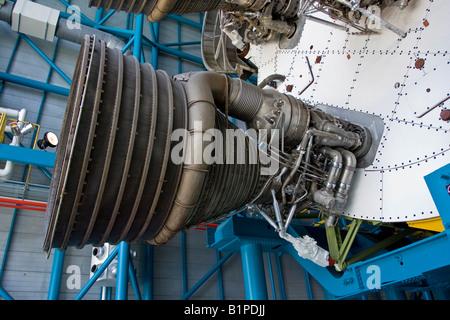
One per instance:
(133, 279)
(154, 28)
(147, 292)
(137, 48)
(253, 272)
(122, 271)
(55, 277)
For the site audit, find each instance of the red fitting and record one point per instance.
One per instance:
(445, 114)
(330, 261)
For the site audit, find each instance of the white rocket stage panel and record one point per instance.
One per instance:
(377, 74)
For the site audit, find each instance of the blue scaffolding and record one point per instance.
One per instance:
(403, 269)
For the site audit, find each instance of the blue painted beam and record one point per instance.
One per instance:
(133, 279)
(123, 260)
(186, 21)
(97, 274)
(55, 277)
(34, 84)
(147, 282)
(253, 272)
(206, 276)
(5, 295)
(33, 157)
(393, 267)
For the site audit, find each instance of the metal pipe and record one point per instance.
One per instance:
(34, 84)
(276, 207)
(345, 179)
(335, 167)
(27, 156)
(174, 52)
(203, 91)
(154, 29)
(133, 279)
(206, 276)
(253, 272)
(186, 21)
(123, 261)
(55, 277)
(160, 10)
(137, 46)
(47, 59)
(63, 31)
(6, 11)
(147, 282)
(76, 35)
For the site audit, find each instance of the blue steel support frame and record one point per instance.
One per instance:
(44, 160)
(413, 263)
(397, 266)
(55, 277)
(206, 276)
(253, 271)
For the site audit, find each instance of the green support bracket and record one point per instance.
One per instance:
(339, 249)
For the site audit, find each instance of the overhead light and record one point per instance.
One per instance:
(50, 139)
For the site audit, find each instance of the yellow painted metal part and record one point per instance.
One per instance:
(2, 126)
(433, 224)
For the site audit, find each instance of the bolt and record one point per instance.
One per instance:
(348, 281)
